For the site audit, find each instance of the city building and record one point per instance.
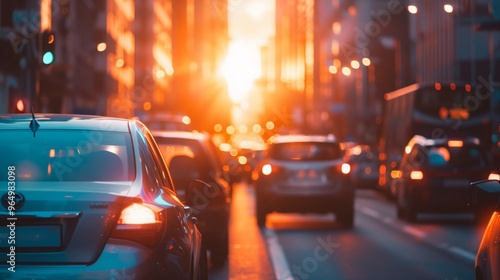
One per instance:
(199, 46)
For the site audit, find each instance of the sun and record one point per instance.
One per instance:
(241, 68)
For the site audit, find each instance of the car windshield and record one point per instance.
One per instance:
(67, 155)
(305, 151)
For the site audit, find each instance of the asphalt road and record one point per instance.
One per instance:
(294, 246)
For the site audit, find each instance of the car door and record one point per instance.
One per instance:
(161, 191)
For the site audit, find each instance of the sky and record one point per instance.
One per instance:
(251, 20)
(251, 24)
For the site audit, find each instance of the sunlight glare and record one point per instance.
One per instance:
(240, 69)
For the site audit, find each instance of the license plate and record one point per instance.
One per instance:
(308, 179)
(455, 183)
(31, 236)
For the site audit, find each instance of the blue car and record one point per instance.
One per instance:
(89, 197)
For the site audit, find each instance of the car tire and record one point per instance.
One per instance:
(346, 216)
(260, 214)
(220, 251)
(400, 212)
(410, 214)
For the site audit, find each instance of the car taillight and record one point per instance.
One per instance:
(140, 223)
(396, 174)
(416, 175)
(268, 169)
(345, 168)
(494, 176)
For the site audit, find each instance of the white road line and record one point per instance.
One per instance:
(463, 253)
(388, 220)
(370, 212)
(415, 232)
(278, 260)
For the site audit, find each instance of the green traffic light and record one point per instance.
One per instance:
(48, 58)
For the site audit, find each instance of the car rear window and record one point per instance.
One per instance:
(444, 156)
(305, 151)
(67, 155)
(171, 147)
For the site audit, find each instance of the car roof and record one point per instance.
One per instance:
(179, 134)
(64, 121)
(421, 140)
(303, 138)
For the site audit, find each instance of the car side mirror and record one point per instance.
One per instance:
(183, 169)
(485, 195)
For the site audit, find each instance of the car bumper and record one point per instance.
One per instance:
(305, 199)
(440, 199)
(118, 260)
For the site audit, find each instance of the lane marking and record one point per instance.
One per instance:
(370, 212)
(463, 253)
(415, 232)
(277, 256)
(388, 220)
(418, 234)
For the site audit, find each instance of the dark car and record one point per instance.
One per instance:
(166, 121)
(304, 173)
(484, 198)
(435, 174)
(183, 149)
(89, 197)
(364, 164)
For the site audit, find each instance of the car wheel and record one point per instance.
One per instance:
(220, 251)
(400, 212)
(346, 216)
(260, 213)
(261, 217)
(410, 214)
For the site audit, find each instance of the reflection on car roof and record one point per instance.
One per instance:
(65, 121)
(303, 138)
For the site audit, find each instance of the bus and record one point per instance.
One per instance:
(433, 110)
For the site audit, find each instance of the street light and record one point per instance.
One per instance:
(346, 71)
(448, 8)
(412, 9)
(366, 61)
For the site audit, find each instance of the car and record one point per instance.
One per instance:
(304, 174)
(90, 197)
(181, 149)
(166, 121)
(484, 197)
(435, 174)
(364, 164)
(248, 157)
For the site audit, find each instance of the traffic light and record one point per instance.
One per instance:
(48, 46)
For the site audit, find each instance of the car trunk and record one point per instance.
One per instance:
(61, 222)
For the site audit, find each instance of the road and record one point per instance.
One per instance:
(312, 246)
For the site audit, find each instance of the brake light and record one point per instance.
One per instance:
(137, 214)
(395, 174)
(494, 176)
(267, 169)
(345, 168)
(416, 175)
(455, 143)
(140, 223)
